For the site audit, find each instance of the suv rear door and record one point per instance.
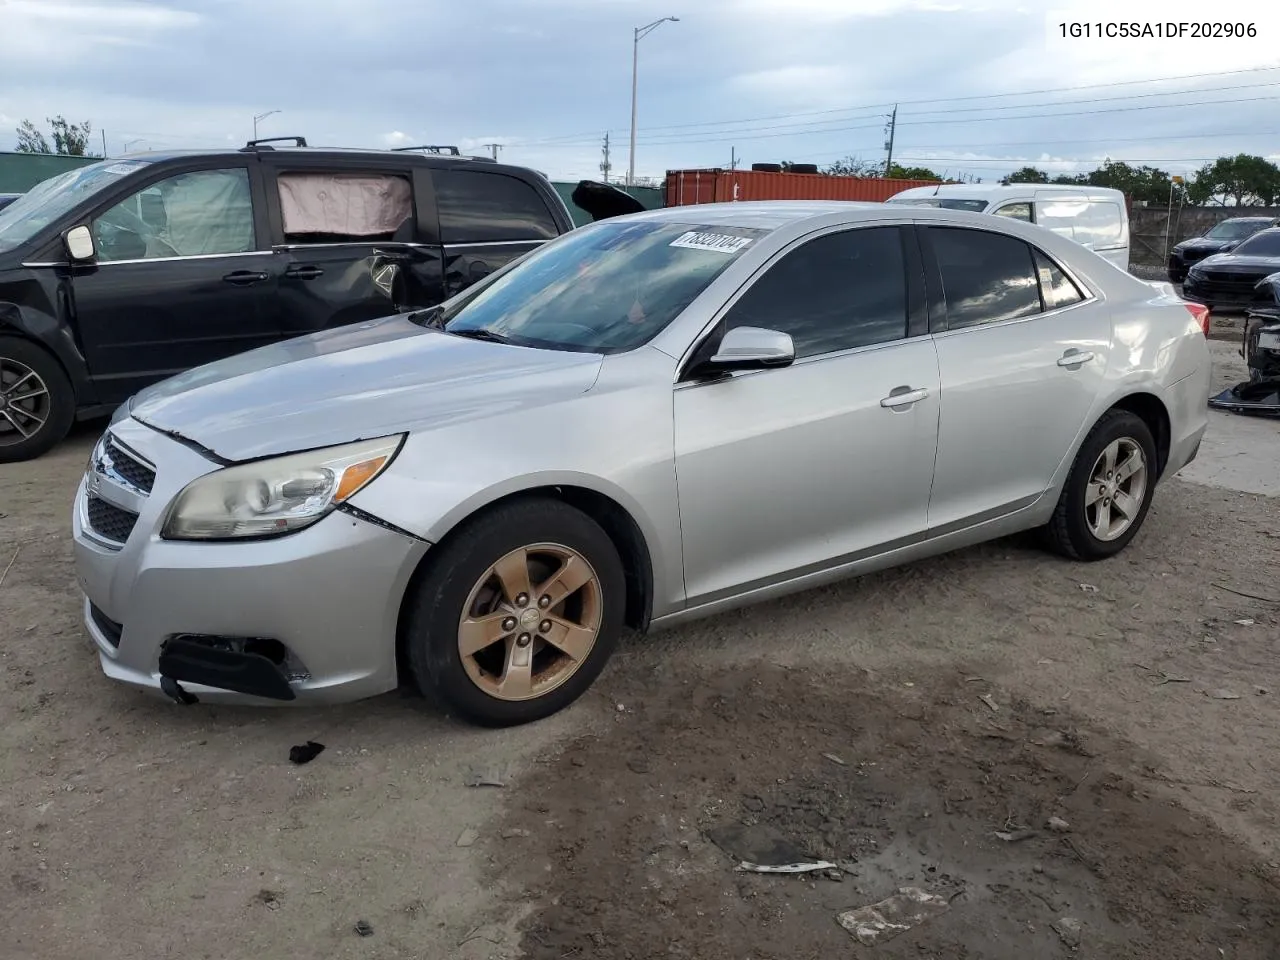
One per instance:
(354, 238)
(488, 216)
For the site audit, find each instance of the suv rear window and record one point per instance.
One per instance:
(479, 206)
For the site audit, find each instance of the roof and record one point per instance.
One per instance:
(987, 191)
(276, 150)
(760, 214)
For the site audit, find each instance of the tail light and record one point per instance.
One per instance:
(1201, 313)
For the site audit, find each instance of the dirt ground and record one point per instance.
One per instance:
(891, 726)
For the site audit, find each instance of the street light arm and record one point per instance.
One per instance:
(648, 28)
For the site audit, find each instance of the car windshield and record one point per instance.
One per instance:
(1263, 244)
(1235, 229)
(946, 203)
(603, 288)
(49, 200)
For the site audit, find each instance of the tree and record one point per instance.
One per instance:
(1242, 179)
(1026, 175)
(69, 139)
(30, 139)
(896, 172)
(853, 167)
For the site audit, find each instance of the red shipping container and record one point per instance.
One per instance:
(684, 187)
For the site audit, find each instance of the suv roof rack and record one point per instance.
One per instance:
(253, 145)
(430, 148)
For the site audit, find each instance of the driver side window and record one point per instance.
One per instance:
(836, 292)
(191, 214)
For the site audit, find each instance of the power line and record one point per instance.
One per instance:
(885, 105)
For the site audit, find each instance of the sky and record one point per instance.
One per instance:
(982, 87)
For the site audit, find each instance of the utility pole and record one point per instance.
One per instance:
(638, 34)
(494, 148)
(888, 145)
(605, 165)
(104, 144)
(733, 158)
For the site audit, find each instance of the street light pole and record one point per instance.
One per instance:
(261, 116)
(638, 34)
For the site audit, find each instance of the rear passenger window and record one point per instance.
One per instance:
(986, 277)
(478, 206)
(1016, 211)
(324, 207)
(836, 292)
(1055, 286)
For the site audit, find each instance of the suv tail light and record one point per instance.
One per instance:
(1201, 313)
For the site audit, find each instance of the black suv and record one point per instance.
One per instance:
(1222, 237)
(124, 272)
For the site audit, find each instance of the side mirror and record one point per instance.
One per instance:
(753, 348)
(79, 243)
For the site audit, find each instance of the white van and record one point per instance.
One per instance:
(1095, 217)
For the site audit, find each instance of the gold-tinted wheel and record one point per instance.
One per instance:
(530, 621)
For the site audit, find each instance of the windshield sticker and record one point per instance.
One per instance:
(720, 242)
(124, 166)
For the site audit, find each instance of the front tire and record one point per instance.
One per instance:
(37, 403)
(1108, 492)
(517, 614)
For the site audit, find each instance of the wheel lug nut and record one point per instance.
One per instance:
(522, 599)
(509, 623)
(544, 601)
(523, 640)
(544, 626)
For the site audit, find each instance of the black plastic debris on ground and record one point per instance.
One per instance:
(1259, 398)
(757, 843)
(306, 752)
(363, 928)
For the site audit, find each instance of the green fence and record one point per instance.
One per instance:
(19, 172)
(649, 197)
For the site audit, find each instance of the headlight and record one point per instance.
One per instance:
(273, 497)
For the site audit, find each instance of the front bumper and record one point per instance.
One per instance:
(323, 602)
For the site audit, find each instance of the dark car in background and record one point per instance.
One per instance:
(124, 272)
(1224, 237)
(8, 198)
(1230, 280)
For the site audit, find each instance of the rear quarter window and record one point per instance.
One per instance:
(479, 206)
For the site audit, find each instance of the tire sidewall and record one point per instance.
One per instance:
(62, 404)
(432, 634)
(1117, 425)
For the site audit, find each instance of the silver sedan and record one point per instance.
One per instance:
(650, 419)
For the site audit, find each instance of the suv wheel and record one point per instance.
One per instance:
(517, 614)
(1108, 492)
(37, 405)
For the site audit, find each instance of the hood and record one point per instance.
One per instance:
(1236, 262)
(1204, 244)
(351, 383)
(603, 200)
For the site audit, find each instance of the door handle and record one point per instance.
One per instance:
(304, 272)
(903, 397)
(1074, 357)
(244, 278)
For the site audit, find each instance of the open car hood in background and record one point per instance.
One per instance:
(604, 200)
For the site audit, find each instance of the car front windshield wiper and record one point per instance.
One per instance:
(479, 334)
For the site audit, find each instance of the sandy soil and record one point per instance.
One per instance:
(130, 827)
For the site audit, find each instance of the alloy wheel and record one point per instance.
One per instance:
(530, 622)
(24, 402)
(1116, 490)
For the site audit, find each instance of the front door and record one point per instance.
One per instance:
(784, 471)
(1023, 358)
(179, 280)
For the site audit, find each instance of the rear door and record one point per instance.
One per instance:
(1022, 356)
(487, 218)
(183, 276)
(350, 239)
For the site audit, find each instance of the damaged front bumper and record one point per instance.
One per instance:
(305, 618)
(1260, 398)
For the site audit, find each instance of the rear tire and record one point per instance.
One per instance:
(1100, 511)
(500, 654)
(37, 402)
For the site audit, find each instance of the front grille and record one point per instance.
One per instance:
(109, 521)
(1221, 285)
(129, 466)
(1190, 256)
(110, 629)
